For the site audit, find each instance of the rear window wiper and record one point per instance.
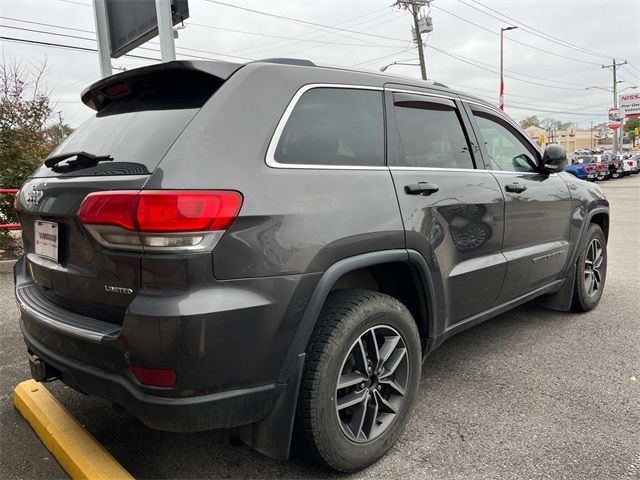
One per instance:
(82, 160)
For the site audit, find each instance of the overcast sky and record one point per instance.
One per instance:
(460, 54)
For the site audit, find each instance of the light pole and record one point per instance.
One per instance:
(502, 30)
(384, 67)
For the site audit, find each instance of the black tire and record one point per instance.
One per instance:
(320, 433)
(584, 299)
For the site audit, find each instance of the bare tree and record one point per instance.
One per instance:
(25, 113)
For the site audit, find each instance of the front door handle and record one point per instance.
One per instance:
(422, 188)
(515, 187)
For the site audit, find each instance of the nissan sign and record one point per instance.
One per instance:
(630, 104)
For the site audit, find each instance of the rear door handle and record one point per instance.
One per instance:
(515, 187)
(422, 188)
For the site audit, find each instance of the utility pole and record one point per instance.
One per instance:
(61, 135)
(591, 134)
(617, 143)
(414, 7)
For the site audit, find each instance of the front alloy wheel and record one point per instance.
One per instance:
(591, 270)
(592, 265)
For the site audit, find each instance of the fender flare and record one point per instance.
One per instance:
(562, 299)
(331, 276)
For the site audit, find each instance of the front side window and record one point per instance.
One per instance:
(431, 134)
(506, 151)
(334, 126)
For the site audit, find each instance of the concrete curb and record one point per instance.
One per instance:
(74, 448)
(6, 266)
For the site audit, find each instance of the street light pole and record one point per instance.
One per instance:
(502, 30)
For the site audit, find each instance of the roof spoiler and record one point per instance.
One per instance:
(105, 91)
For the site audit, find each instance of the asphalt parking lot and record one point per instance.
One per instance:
(529, 394)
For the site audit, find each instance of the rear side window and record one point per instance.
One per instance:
(334, 126)
(431, 133)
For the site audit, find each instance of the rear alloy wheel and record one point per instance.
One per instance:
(591, 271)
(360, 380)
(371, 387)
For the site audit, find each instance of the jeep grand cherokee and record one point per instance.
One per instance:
(278, 246)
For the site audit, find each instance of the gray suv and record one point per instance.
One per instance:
(278, 246)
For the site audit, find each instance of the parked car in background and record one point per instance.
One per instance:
(600, 170)
(583, 171)
(615, 165)
(629, 164)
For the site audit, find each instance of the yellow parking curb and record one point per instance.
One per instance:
(74, 448)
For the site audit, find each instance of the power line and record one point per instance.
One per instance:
(381, 58)
(67, 47)
(532, 30)
(493, 71)
(322, 42)
(316, 33)
(284, 18)
(628, 70)
(335, 42)
(47, 24)
(304, 22)
(511, 39)
(43, 32)
(467, 87)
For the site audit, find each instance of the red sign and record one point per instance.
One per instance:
(614, 126)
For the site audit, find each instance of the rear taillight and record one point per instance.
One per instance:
(159, 220)
(587, 169)
(630, 164)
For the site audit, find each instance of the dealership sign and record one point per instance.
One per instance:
(629, 104)
(614, 118)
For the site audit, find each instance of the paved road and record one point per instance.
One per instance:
(530, 394)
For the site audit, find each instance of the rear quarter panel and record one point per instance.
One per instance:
(292, 220)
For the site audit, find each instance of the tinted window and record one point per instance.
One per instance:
(431, 135)
(334, 126)
(506, 151)
(136, 131)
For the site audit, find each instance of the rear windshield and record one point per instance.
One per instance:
(136, 132)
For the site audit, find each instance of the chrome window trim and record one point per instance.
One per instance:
(441, 169)
(422, 93)
(436, 169)
(270, 159)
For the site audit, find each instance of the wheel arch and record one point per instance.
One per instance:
(272, 436)
(337, 275)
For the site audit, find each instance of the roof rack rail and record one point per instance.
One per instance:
(287, 61)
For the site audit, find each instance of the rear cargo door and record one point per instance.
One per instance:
(139, 117)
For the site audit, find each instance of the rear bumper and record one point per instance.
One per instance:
(226, 342)
(192, 414)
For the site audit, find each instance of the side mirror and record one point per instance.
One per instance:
(554, 159)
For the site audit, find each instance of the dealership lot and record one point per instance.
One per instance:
(530, 394)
